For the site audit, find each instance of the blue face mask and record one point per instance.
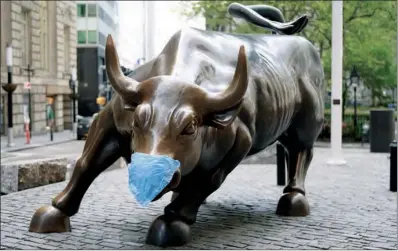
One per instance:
(149, 175)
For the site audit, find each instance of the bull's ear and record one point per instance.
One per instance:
(222, 119)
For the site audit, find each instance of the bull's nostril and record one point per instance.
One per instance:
(175, 181)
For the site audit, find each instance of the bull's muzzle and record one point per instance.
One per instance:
(175, 181)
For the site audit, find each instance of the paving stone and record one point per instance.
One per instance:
(240, 215)
(25, 247)
(110, 245)
(91, 247)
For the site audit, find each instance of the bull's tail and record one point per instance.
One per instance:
(267, 17)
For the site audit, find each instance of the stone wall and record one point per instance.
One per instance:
(47, 81)
(59, 115)
(67, 113)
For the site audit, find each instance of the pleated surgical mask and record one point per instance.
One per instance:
(149, 175)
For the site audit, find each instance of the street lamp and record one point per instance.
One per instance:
(354, 80)
(9, 88)
(72, 86)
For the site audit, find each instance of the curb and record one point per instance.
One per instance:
(347, 146)
(36, 146)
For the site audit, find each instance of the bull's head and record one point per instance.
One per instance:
(169, 114)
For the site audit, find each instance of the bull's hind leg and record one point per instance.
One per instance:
(298, 142)
(102, 148)
(293, 202)
(172, 228)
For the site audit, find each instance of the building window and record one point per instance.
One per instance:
(101, 39)
(92, 37)
(101, 13)
(66, 48)
(26, 38)
(44, 48)
(111, 3)
(81, 10)
(81, 37)
(105, 17)
(91, 10)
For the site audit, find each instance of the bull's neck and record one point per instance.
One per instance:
(179, 58)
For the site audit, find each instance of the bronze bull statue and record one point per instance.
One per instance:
(209, 100)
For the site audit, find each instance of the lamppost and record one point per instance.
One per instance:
(30, 71)
(72, 86)
(354, 80)
(9, 88)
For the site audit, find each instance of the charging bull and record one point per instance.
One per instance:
(208, 100)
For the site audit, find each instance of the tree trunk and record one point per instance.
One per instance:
(321, 49)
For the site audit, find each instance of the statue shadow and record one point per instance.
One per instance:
(232, 217)
(221, 221)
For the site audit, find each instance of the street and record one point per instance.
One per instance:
(71, 149)
(351, 208)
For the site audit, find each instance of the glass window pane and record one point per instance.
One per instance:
(91, 10)
(101, 39)
(81, 37)
(81, 10)
(101, 13)
(92, 37)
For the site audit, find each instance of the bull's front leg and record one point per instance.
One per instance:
(172, 228)
(102, 148)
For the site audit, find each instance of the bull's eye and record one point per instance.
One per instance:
(189, 129)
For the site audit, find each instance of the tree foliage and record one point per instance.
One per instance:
(369, 34)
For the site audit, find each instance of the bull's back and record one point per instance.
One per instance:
(278, 66)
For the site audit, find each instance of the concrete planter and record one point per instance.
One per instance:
(27, 174)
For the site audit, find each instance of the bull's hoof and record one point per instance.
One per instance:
(168, 231)
(293, 204)
(49, 219)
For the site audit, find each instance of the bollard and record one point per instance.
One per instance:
(393, 166)
(280, 165)
(51, 134)
(27, 134)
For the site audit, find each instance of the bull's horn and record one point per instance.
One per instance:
(123, 85)
(236, 89)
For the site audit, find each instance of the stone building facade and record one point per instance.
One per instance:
(43, 36)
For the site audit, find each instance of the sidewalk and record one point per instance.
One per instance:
(357, 145)
(36, 141)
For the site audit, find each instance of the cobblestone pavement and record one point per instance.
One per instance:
(351, 208)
